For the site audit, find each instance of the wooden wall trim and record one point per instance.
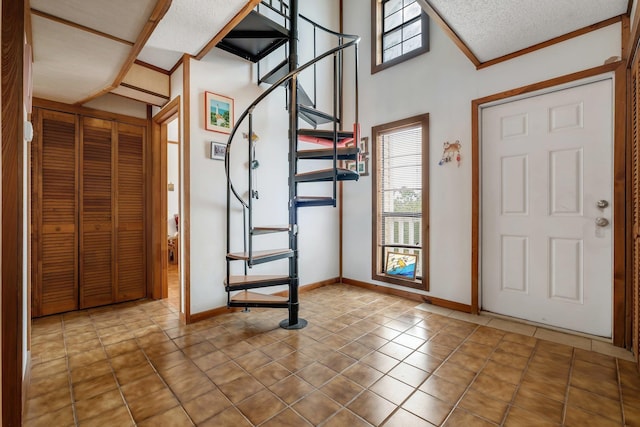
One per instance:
(63, 21)
(161, 8)
(185, 234)
(151, 67)
(619, 231)
(620, 320)
(88, 112)
(634, 37)
(246, 9)
(12, 149)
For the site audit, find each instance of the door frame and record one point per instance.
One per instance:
(159, 187)
(620, 318)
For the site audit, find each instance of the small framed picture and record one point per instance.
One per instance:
(218, 151)
(402, 265)
(218, 113)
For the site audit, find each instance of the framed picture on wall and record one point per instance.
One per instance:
(218, 151)
(218, 113)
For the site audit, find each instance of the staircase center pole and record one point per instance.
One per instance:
(293, 322)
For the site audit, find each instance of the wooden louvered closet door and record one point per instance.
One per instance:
(130, 276)
(54, 214)
(96, 213)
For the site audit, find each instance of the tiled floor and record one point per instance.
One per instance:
(365, 359)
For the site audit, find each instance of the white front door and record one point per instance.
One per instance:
(546, 178)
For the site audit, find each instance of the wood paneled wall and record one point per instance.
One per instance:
(635, 205)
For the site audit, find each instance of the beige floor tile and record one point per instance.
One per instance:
(562, 338)
(435, 309)
(506, 325)
(175, 417)
(611, 350)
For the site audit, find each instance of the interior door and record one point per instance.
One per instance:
(546, 208)
(96, 214)
(130, 196)
(54, 218)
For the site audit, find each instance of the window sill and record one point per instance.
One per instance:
(415, 284)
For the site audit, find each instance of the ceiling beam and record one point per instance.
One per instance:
(78, 26)
(555, 40)
(161, 8)
(151, 67)
(251, 4)
(433, 14)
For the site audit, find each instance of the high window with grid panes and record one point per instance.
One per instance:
(399, 31)
(400, 193)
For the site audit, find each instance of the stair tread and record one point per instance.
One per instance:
(314, 201)
(324, 133)
(258, 254)
(327, 175)
(325, 137)
(315, 117)
(276, 73)
(255, 37)
(248, 280)
(255, 297)
(344, 153)
(273, 228)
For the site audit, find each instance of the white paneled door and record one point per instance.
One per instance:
(547, 208)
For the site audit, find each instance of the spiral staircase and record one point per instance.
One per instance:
(265, 32)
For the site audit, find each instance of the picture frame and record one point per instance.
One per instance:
(362, 165)
(218, 150)
(218, 113)
(401, 265)
(363, 158)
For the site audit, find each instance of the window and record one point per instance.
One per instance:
(400, 193)
(399, 31)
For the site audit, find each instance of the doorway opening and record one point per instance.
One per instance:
(166, 210)
(173, 214)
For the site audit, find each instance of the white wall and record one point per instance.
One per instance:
(228, 75)
(119, 104)
(443, 83)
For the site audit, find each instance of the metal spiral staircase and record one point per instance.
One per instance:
(254, 39)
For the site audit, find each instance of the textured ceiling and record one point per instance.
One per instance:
(119, 18)
(186, 28)
(71, 64)
(494, 28)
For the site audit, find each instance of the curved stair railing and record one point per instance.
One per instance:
(334, 139)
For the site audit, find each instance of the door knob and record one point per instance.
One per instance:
(602, 204)
(602, 222)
